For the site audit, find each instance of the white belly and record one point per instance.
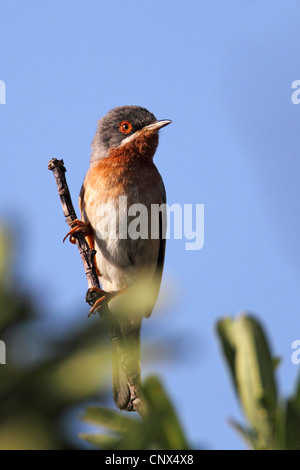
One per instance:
(121, 260)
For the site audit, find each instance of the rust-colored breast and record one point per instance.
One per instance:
(128, 170)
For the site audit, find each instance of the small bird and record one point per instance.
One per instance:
(121, 165)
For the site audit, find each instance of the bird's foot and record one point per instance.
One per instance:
(103, 297)
(86, 229)
(80, 226)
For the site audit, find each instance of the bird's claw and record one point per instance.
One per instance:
(86, 229)
(80, 226)
(103, 297)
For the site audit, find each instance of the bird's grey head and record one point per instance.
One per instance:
(117, 127)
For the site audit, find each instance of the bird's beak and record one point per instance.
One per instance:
(151, 128)
(155, 126)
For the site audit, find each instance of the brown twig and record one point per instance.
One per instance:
(137, 402)
(86, 254)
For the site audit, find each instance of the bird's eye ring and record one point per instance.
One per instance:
(125, 127)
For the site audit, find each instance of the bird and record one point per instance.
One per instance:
(121, 166)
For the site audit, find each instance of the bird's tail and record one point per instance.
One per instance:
(131, 344)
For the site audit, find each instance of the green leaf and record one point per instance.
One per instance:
(248, 355)
(280, 428)
(101, 440)
(255, 378)
(162, 417)
(247, 434)
(5, 255)
(292, 426)
(296, 395)
(160, 428)
(276, 362)
(110, 419)
(225, 330)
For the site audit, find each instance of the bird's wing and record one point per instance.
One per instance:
(162, 233)
(162, 242)
(81, 200)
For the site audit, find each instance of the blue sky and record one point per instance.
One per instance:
(222, 71)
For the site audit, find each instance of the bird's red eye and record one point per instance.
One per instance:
(125, 127)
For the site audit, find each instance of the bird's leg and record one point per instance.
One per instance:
(80, 226)
(86, 229)
(103, 297)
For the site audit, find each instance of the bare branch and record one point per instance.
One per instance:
(136, 402)
(86, 254)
